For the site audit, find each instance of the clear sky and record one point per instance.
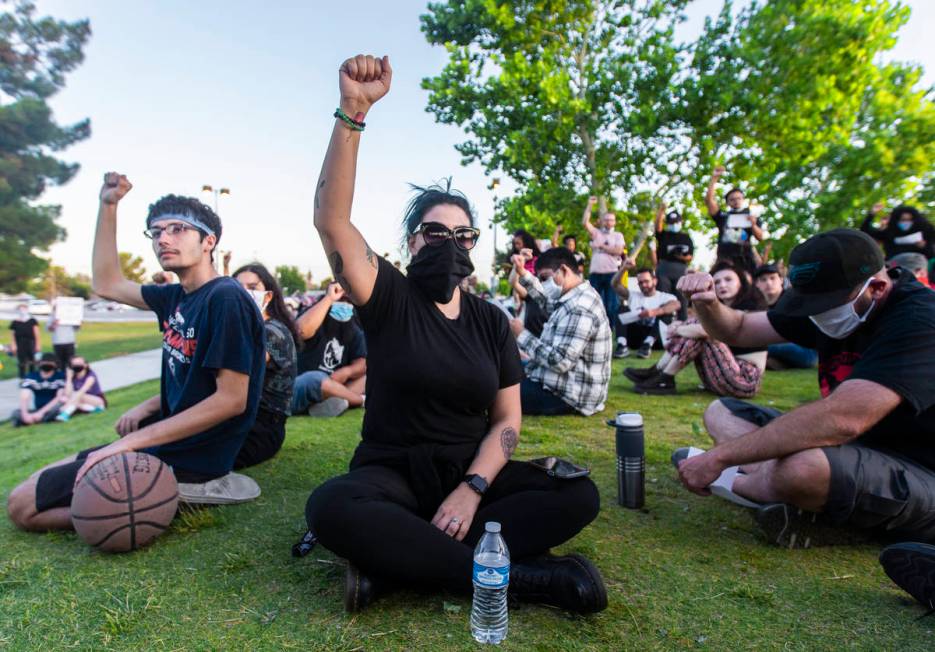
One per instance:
(241, 95)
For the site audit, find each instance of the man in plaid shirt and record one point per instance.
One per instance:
(569, 366)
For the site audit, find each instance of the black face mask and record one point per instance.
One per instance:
(46, 368)
(77, 370)
(437, 271)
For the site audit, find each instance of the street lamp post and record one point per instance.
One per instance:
(494, 184)
(217, 192)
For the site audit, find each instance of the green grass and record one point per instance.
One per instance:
(685, 573)
(100, 340)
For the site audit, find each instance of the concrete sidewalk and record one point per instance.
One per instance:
(113, 373)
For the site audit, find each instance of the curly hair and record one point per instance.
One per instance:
(176, 204)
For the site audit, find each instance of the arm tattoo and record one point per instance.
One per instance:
(321, 184)
(337, 266)
(508, 441)
(371, 257)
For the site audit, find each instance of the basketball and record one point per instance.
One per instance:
(124, 502)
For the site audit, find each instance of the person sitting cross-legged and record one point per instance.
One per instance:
(443, 406)
(861, 456)
(569, 363)
(82, 392)
(724, 370)
(333, 361)
(40, 393)
(648, 308)
(212, 365)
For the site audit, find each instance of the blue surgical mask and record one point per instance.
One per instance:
(341, 311)
(904, 226)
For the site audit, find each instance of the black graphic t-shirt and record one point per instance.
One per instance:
(43, 389)
(670, 245)
(336, 344)
(896, 349)
(218, 326)
(280, 368)
(733, 242)
(430, 379)
(24, 334)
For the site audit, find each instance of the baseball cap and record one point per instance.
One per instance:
(825, 269)
(768, 268)
(672, 217)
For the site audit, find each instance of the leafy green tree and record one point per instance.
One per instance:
(291, 280)
(36, 54)
(56, 282)
(578, 97)
(133, 267)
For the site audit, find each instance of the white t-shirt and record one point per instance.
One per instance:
(640, 302)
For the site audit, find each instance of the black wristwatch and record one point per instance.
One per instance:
(476, 483)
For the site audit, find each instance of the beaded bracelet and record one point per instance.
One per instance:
(348, 120)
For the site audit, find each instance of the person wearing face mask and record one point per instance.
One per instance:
(569, 368)
(675, 250)
(906, 231)
(333, 362)
(860, 457)
(534, 315)
(443, 405)
(607, 249)
(40, 394)
(737, 227)
(25, 340)
(82, 391)
(268, 432)
(724, 370)
(648, 308)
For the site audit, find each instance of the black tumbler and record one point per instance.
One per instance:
(631, 460)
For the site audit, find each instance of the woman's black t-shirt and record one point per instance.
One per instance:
(430, 379)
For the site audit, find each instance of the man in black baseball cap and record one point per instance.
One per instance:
(860, 458)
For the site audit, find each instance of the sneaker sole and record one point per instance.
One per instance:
(633, 377)
(643, 355)
(330, 407)
(789, 527)
(912, 567)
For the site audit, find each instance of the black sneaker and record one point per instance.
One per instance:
(912, 567)
(358, 590)
(645, 351)
(570, 582)
(661, 383)
(621, 351)
(638, 375)
(790, 527)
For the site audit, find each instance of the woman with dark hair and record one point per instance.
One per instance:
(443, 412)
(269, 430)
(724, 370)
(906, 231)
(522, 239)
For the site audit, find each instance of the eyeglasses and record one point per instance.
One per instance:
(172, 229)
(435, 235)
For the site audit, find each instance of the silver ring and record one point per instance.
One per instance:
(454, 520)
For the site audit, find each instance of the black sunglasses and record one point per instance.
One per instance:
(435, 234)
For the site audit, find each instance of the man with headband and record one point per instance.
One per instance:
(862, 455)
(213, 359)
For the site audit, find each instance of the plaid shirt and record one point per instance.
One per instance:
(572, 357)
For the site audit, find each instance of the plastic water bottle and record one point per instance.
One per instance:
(491, 579)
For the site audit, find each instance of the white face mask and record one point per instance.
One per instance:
(261, 298)
(551, 289)
(840, 322)
(675, 227)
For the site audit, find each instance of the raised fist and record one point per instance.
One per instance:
(335, 292)
(114, 188)
(519, 261)
(718, 172)
(592, 201)
(698, 288)
(227, 257)
(877, 208)
(559, 228)
(363, 80)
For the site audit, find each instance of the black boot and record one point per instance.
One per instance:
(638, 375)
(570, 582)
(358, 590)
(661, 383)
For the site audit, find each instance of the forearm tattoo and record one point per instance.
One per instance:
(321, 184)
(508, 441)
(371, 257)
(337, 266)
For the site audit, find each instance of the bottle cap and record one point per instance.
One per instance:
(629, 419)
(492, 526)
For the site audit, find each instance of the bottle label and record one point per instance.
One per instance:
(491, 577)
